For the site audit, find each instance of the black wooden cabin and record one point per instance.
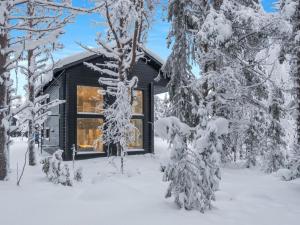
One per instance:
(76, 122)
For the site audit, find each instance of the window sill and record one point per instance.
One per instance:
(135, 150)
(89, 152)
(136, 114)
(89, 113)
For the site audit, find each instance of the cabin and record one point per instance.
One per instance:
(75, 123)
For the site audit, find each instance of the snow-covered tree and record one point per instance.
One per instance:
(161, 107)
(233, 79)
(290, 11)
(275, 158)
(193, 172)
(21, 30)
(118, 129)
(183, 92)
(9, 55)
(55, 170)
(44, 24)
(180, 172)
(208, 146)
(128, 23)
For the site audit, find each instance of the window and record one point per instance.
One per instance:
(138, 134)
(46, 133)
(88, 135)
(89, 100)
(137, 105)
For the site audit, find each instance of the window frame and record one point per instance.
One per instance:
(142, 118)
(130, 149)
(82, 115)
(143, 103)
(76, 102)
(83, 151)
(87, 115)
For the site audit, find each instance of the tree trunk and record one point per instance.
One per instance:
(3, 106)
(31, 128)
(31, 94)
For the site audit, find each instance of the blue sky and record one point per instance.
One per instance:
(84, 30)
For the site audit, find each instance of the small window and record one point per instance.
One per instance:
(138, 134)
(137, 105)
(89, 100)
(89, 134)
(46, 133)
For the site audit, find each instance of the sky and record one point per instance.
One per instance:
(84, 30)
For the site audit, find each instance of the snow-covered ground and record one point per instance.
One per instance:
(246, 197)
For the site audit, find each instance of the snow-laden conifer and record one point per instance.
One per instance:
(290, 11)
(193, 171)
(275, 157)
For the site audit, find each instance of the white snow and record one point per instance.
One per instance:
(246, 196)
(86, 54)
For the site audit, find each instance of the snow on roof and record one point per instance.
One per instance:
(73, 58)
(86, 54)
(154, 55)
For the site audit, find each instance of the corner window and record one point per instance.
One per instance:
(89, 134)
(138, 134)
(137, 105)
(90, 100)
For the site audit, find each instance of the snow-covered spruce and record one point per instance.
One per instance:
(290, 52)
(56, 171)
(193, 171)
(182, 172)
(274, 157)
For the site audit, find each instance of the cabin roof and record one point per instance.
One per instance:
(87, 55)
(81, 57)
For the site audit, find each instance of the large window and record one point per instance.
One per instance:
(88, 135)
(138, 134)
(89, 100)
(137, 105)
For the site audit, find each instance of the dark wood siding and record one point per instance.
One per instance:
(56, 90)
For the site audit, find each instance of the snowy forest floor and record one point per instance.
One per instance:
(246, 196)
